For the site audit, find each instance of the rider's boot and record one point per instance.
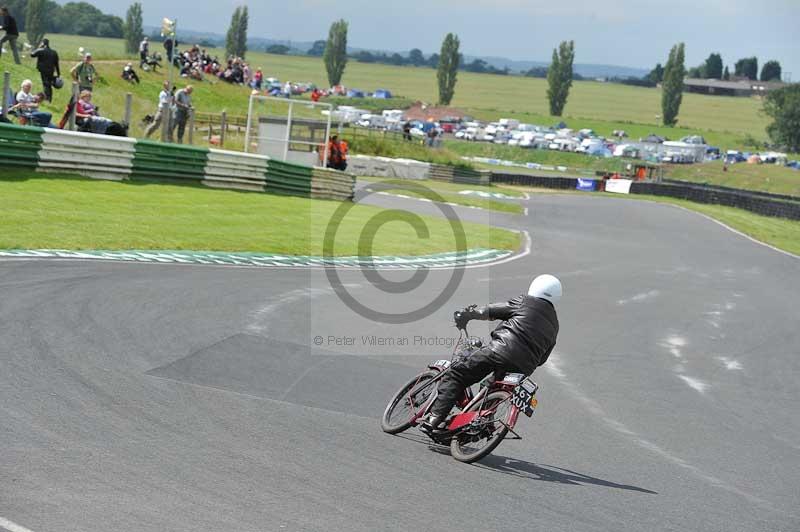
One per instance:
(432, 424)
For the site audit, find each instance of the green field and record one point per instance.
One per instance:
(63, 212)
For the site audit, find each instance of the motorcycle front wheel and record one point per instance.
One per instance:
(407, 402)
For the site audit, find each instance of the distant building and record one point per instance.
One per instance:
(730, 88)
(435, 113)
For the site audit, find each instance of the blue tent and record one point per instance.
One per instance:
(600, 151)
(382, 93)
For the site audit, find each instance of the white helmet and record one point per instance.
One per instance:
(546, 287)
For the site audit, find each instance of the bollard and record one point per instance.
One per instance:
(75, 94)
(190, 125)
(6, 89)
(222, 127)
(128, 104)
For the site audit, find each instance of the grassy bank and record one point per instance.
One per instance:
(55, 211)
(763, 177)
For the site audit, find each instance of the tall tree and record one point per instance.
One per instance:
(335, 56)
(672, 86)
(783, 106)
(232, 37)
(771, 71)
(559, 77)
(747, 67)
(727, 74)
(35, 21)
(447, 70)
(132, 30)
(713, 66)
(241, 34)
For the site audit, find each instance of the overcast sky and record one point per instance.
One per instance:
(634, 33)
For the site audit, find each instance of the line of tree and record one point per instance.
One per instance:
(236, 38)
(78, 18)
(746, 67)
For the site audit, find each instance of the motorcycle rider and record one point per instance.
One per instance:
(520, 343)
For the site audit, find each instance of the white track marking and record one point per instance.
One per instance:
(729, 363)
(554, 367)
(262, 315)
(639, 297)
(693, 383)
(674, 344)
(12, 526)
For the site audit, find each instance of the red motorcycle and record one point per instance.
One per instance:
(479, 422)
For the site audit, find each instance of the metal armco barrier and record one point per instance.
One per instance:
(120, 158)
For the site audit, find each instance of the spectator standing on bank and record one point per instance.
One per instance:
(144, 51)
(84, 73)
(164, 103)
(9, 25)
(183, 106)
(47, 65)
(170, 45)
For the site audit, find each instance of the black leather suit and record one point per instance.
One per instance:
(520, 343)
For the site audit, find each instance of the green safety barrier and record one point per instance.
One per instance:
(20, 145)
(157, 160)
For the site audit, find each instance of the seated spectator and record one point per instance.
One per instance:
(27, 106)
(129, 74)
(87, 115)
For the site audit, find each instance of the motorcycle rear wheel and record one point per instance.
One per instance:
(402, 407)
(462, 447)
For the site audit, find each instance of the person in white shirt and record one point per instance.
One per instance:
(164, 103)
(144, 50)
(27, 106)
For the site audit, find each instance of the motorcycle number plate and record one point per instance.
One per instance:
(524, 399)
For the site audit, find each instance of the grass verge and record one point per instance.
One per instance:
(64, 212)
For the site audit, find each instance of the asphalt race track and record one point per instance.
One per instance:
(145, 397)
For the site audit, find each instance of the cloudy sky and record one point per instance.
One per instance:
(634, 33)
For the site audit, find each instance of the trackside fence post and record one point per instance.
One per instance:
(191, 126)
(223, 125)
(128, 104)
(6, 90)
(75, 94)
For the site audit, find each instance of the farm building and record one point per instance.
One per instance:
(422, 112)
(730, 88)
